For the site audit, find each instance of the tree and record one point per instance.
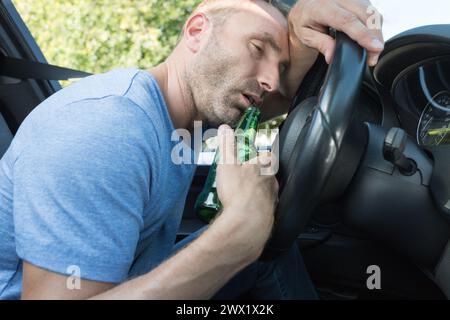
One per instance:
(100, 35)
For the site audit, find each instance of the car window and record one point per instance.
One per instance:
(97, 36)
(402, 15)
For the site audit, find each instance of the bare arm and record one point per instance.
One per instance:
(40, 284)
(203, 267)
(196, 272)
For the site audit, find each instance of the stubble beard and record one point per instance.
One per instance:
(212, 84)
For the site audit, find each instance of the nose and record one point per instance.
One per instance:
(269, 78)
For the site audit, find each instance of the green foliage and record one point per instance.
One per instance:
(100, 35)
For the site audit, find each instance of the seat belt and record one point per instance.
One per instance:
(27, 69)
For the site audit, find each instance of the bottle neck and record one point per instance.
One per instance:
(248, 125)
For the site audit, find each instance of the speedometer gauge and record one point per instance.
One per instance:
(434, 123)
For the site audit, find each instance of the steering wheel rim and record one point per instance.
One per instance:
(312, 150)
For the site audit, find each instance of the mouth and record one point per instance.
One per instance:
(252, 100)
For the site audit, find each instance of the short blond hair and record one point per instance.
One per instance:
(216, 5)
(219, 10)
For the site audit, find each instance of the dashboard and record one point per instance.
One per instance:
(413, 79)
(422, 95)
(414, 71)
(434, 123)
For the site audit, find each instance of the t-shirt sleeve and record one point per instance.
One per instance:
(80, 188)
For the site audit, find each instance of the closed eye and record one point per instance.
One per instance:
(257, 49)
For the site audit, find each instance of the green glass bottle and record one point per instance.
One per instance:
(208, 203)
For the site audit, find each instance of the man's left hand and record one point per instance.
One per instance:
(310, 20)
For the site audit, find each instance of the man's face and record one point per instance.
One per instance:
(241, 62)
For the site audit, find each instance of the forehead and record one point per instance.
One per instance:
(254, 21)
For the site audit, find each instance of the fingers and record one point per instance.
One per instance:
(373, 58)
(265, 162)
(355, 18)
(227, 145)
(375, 55)
(373, 21)
(265, 159)
(268, 167)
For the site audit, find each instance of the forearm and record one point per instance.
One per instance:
(195, 272)
(301, 60)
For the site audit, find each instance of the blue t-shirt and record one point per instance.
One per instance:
(88, 181)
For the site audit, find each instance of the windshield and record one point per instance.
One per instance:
(402, 15)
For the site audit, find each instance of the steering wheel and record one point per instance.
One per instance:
(309, 143)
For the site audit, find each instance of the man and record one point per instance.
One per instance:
(88, 185)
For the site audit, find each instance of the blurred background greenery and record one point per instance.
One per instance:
(100, 35)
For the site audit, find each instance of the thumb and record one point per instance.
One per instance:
(227, 145)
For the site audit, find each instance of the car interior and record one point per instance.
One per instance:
(364, 161)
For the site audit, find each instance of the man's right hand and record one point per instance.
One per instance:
(248, 196)
(235, 239)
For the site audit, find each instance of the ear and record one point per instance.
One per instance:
(196, 30)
